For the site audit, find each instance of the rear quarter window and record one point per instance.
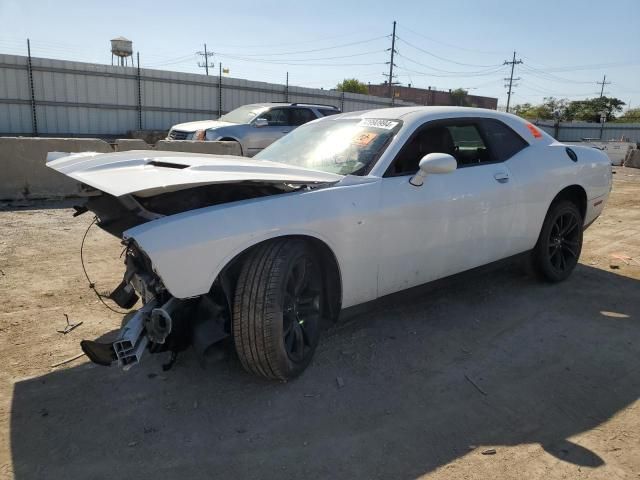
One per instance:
(503, 141)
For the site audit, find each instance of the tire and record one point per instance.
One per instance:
(277, 309)
(558, 249)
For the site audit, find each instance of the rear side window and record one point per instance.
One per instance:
(328, 111)
(502, 140)
(300, 116)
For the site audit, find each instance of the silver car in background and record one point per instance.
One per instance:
(254, 126)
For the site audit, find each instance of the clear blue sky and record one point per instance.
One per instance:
(566, 46)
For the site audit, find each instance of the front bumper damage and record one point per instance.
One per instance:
(163, 323)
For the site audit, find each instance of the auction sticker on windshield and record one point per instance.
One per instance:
(364, 139)
(378, 123)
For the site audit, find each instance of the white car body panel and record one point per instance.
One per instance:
(344, 216)
(386, 234)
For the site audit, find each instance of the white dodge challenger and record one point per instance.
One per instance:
(342, 211)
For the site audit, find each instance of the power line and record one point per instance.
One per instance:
(488, 70)
(303, 61)
(513, 63)
(298, 62)
(443, 58)
(309, 51)
(484, 52)
(550, 77)
(454, 75)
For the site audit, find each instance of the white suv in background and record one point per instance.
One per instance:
(254, 126)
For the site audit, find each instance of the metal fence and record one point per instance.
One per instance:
(575, 132)
(40, 96)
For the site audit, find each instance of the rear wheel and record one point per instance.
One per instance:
(277, 309)
(558, 249)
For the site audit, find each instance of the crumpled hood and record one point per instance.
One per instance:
(201, 125)
(146, 173)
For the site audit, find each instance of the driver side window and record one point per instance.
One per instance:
(277, 117)
(462, 140)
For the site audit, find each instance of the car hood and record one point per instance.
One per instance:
(147, 173)
(201, 125)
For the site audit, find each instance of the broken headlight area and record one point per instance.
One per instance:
(163, 323)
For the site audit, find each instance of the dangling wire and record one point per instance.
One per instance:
(92, 285)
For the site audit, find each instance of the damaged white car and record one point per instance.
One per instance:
(342, 211)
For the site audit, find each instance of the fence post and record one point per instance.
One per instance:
(220, 90)
(139, 94)
(342, 101)
(34, 114)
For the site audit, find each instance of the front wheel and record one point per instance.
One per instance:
(277, 309)
(558, 249)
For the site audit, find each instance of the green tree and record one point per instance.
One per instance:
(352, 85)
(591, 109)
(459, 97)
(630, 116)
(550, 109)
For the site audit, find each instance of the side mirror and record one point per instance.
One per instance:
(433, 163)
(261, 122)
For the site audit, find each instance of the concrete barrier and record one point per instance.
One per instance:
(633, 159)
(215, 148)
(126, 144)
(23, 173)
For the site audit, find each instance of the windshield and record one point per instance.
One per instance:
(336, 146)
(243, 114)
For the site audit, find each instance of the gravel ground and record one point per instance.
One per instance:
(493, 376)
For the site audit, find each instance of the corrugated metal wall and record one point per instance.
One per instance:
(575, 132)
(74, 98)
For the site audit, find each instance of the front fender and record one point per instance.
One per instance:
(190, 249)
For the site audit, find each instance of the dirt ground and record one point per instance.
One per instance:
(547, 376)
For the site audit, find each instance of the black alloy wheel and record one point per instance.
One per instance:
(558, 249)
(278, 308)
(301, 310)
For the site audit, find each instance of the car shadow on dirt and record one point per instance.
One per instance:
(494, 360)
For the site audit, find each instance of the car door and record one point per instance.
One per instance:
(454, 221)
(278, 124)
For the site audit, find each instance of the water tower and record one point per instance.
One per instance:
(123, 49)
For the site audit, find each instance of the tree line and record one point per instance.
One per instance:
(558, 109)
(589, 110)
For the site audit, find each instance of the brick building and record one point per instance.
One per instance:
(428, 96)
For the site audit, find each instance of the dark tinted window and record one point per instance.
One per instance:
(503, 141)
(328, 111)
(461, 140)
(300, 116)
(276, 117)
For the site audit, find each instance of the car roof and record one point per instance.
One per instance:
(406, 113)
(289, 104)
(413, 116)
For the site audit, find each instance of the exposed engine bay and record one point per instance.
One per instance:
(117, 214)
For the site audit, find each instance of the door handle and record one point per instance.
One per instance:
(501, 177)
(286, 131)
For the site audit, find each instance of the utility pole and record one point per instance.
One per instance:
(603, 83)
(34, 113)
(206, 56)
(391, 64)
(286, 89)
(513, 63)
